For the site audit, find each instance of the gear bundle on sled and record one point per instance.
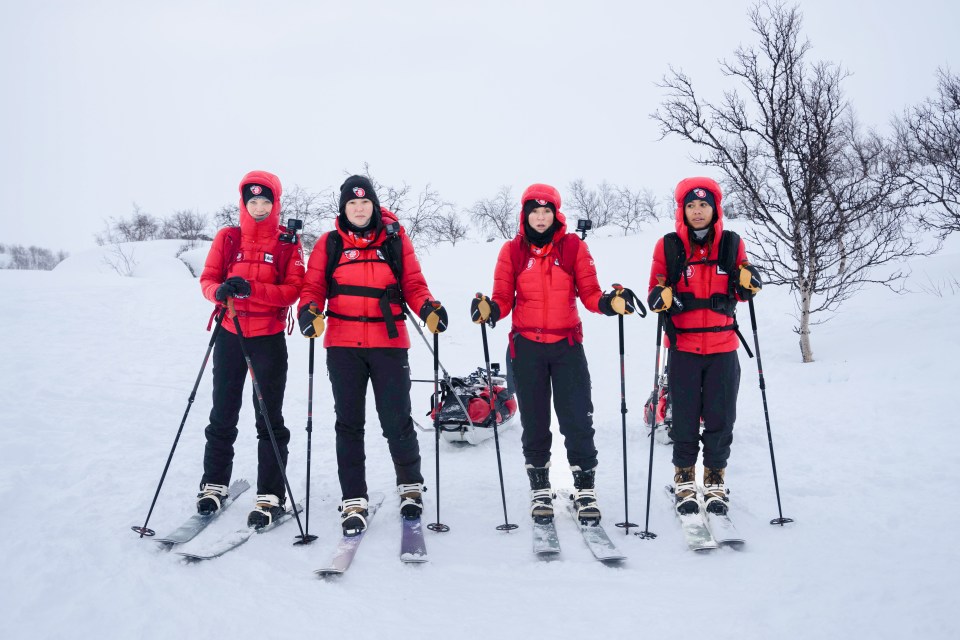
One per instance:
(464, 407)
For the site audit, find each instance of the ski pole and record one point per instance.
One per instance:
(306, 538)
(506, 526)
(626, 524)
(266, 418)
(646, 534)
(766, 416)
(437, 526)
(144, 531)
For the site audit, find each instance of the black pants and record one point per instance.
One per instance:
(536, 367)
(389, 371)
(703, 386)
(268, 354)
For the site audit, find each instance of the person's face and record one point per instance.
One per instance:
(259, 208)
(540, 219)
(359, 211)
(699, 214)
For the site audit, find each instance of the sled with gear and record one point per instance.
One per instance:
(661, 409)
(464, 407)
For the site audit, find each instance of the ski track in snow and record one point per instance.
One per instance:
(96, 370)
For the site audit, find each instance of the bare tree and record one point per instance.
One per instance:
(600, 205)
(317, 210)
(138, 227)
(186, 225)
(33, 258)
(928, 148)
(634, 208)
(498, 215)
(448, 227)
(827, 220)
(226, 216)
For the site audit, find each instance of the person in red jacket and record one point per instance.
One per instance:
(704, 371)
(261, 291)
(539, 275)
(364, 288)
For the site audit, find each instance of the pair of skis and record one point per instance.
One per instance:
(546, 542)
(197, 523)
(704, 531)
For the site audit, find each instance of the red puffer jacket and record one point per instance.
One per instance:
(353, 269)
(543, 296)
(264, 312)
(701, 280)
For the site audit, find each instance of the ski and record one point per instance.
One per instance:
(694, 527)
(234, 539)
(347, 547)
(413, 548)
(722, 528)
(546, 543)
(594, 535)
(197, 523)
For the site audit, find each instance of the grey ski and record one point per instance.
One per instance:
(546, 543)
(347, 547)
(234, 539)
(695, 528)
(197, 523)
(595, 536)
(413, 548)
(722, 528)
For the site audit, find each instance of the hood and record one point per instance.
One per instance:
(682, 190)
(386, 217)
(551, 195)
(266, 228)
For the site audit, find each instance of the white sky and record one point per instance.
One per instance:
(169, 103)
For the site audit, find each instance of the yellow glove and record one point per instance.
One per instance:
(749, 278)
(311, 321)
(660, 298)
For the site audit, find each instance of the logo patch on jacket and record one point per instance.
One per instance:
(268, 258)
(689, 272)
(359, 192)
(530, 263)
(380, 255)
(351, 254)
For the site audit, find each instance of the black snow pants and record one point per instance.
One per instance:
(703, 386)
(268, 355)
(536, 367)
(389, 370)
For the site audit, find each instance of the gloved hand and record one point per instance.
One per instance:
(748, 281)
(619, 301)
(434, 316)
(232, 287)
(311, 321)
(661, 299)
(483, 309)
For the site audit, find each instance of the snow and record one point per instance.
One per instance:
(97, 369)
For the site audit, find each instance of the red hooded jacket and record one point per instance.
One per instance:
(353, 333)
(701, 280)
(543, 296)
(264, 312)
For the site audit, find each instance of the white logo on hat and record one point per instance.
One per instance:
(359, 192)
(700, 193)
(256, 189)
(542, 203)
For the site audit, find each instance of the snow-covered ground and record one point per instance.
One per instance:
(96, 370)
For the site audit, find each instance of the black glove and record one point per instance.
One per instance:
(311, 321)
(619, 301)
(434, 316)
(232, 287)
(748, 281)
(483, 309)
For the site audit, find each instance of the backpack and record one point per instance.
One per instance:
(726, 303)
(391, 252)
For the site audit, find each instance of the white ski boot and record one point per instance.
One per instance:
(585, 495)
(210, 498)
(685, 490)
(353, 516)
(411, 500)
(267, 508)
(715, 495)
(541, 497)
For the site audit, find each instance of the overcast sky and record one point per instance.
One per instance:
(168, 104)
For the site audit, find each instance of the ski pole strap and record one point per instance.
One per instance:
(573, 335)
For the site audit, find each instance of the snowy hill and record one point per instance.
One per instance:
(97, 368)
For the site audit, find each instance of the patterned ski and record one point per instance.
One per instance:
(546, 543)
(197, 523)
(694, 527)
(413, 548)
(595, 536)
(347, 547)
(232, 540)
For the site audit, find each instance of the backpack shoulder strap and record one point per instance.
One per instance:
(569, 247)
(334, 246)
(516, 256)
(727, 253)
(231, 245)
(675, 256)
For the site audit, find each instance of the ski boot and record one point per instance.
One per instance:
(353, 516)
(541, 498)
(714, 493)
(267, 508)
(210, 498)
(411, 500)
(585, 496)
(685, 490)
